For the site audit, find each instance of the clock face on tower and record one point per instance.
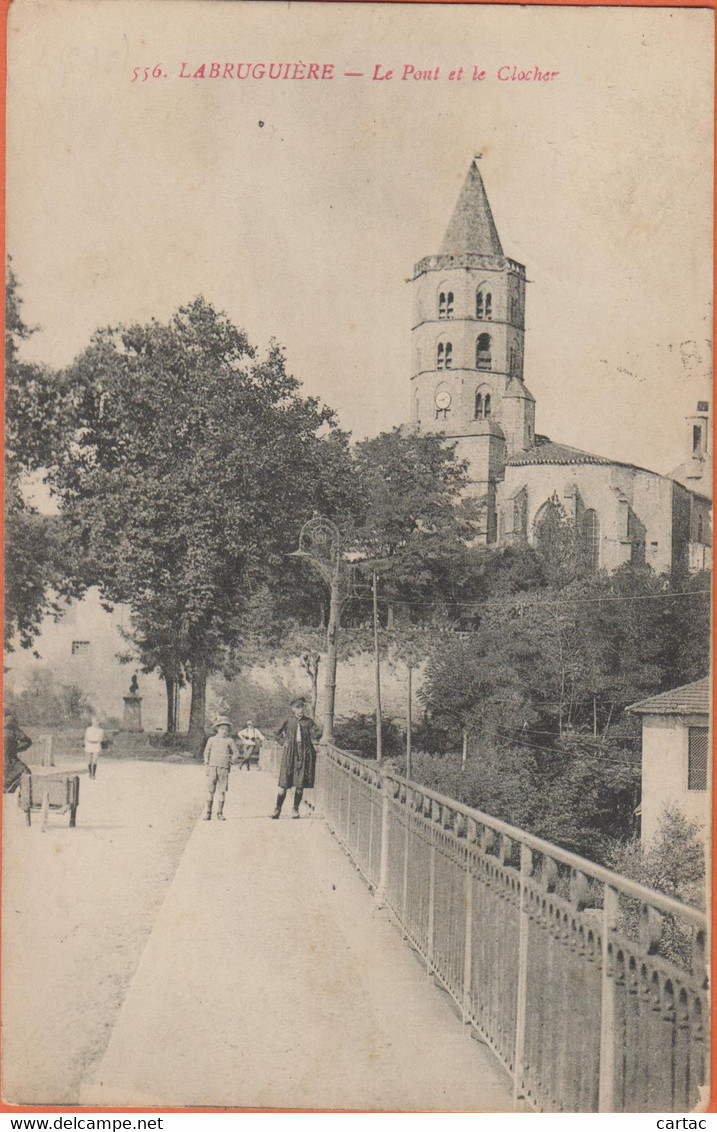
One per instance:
(443, 399)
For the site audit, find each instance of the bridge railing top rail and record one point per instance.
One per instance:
(385, 778)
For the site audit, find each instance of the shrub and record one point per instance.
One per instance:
(673, 863)
(498, 782)
(47, 703)
(433, 738)
(241, 699)
(358, 733)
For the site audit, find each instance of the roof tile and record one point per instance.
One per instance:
(687, 700)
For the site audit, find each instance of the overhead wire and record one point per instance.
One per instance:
(522, 604)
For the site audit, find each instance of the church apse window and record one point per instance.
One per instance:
(520, 514)
(513, 362)
(696, 440)
(483, 352)
(590, 531)
(484, 304)
(445, 304)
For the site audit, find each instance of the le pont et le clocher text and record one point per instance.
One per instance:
(322, 72)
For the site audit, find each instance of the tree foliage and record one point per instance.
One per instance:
(40, 563)
(46, 702)
(550, 673)
(406, 519)
(189, 465)
(579, 654)
(673, 862)
(413, 522)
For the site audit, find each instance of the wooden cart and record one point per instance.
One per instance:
(59, 793)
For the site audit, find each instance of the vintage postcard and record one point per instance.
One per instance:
(357, 748)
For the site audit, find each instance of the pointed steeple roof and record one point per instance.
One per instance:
(472, 229)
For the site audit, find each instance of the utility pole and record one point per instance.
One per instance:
(377, 664)
(409, 721)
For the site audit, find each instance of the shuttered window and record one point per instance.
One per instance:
(697, 758)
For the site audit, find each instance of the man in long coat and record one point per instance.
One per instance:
(298, 761)
(15, 741)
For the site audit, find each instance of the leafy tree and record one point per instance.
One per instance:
(581, 653)
(466, 683)
(586, 793)
(414, 523)
(552, 672)
(46, 702)
(188, 467)
(407, 520)
(496, 780)
(242, 698)
(673, 862)
(40, 566)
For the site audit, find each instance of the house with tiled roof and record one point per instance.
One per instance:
(676, 754)
(468, 385)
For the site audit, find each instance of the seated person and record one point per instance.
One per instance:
(252, 739)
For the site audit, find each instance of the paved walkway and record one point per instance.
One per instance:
(269, 981)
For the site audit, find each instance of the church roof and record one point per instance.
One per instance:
(685, 700)
(472, 229)
(517, 388)
(546, 451)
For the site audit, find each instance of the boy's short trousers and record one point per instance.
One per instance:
(217, 779)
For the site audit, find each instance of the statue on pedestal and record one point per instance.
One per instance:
(132, 718)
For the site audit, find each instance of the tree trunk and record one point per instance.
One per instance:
(464, 753)
(171, 687)
(198, 710)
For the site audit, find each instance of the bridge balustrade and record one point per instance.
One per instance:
(590, 988)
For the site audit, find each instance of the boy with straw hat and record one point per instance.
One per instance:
(219, 754)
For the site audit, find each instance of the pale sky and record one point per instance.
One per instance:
(126, 200)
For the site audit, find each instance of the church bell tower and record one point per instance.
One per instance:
(468, 346)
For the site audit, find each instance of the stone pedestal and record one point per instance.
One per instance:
(132, 718)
